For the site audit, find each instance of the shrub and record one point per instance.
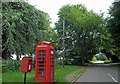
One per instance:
(107, 61)
(10, 65)
(102, 57)
(94, 59)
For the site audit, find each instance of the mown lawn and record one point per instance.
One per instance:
(60, 74)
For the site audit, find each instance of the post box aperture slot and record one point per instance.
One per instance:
(30, 61)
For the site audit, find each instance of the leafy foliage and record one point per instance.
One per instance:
(94, 58)
(10, 65)
(114, 26)
(23, 26)
(85, 32)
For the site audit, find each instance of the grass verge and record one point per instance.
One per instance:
(60, 74)
(72, 76)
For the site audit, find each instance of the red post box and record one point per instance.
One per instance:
(26, 64)
(44, 68)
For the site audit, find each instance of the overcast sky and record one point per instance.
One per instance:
(52, 6)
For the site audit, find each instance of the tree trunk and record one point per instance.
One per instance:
(18, 57)
(6, 54)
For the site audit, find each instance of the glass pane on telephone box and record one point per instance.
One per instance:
(42, 54)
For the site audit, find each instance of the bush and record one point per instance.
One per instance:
(107, 61)
(102, 57)
(94, 59)
(10, 65)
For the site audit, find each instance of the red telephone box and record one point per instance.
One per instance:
(26, 64)
(44, 68)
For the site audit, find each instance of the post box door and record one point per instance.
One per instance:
(29, 65)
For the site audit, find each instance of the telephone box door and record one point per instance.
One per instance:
(40, 64)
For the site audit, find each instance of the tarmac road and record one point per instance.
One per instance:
(100, 74)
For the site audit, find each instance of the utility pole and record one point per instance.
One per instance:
(63, 43)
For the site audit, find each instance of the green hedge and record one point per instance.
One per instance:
(10, 65)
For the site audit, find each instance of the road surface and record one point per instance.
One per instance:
(100, 74)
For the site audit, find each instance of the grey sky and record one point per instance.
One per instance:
(52, 6)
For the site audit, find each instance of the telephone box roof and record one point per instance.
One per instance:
(45, 43)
